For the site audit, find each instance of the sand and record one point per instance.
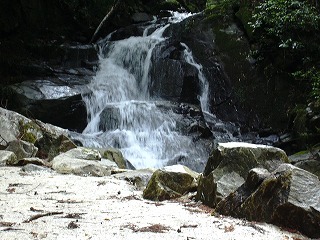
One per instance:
(47, 205)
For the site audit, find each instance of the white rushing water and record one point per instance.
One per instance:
(121, 113)
(204, 84)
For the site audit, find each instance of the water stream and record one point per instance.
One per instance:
(121, 112)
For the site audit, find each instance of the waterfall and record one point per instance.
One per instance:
(121, 112)
(204, 84)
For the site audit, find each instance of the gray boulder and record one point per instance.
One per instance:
(24, 137)
(81, 161)
(170, 183)
(7, 157)
(12, 126)
(84, 153)
(287, 197)
(229, 164)
(307, 160)
(22, 149)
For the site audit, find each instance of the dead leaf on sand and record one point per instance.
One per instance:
(229, 228)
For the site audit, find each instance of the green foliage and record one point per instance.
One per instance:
(310, 75)
(285, 24)
(288, 32)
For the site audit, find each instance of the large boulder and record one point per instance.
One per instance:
(229, 164)
(287, 197)
(240, 157)
(82, 161)
(15, 126)
(10, 126)
(170, 182)
(50, 140)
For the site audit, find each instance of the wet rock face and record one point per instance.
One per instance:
(173, 78)
(287, 197)
(53, 103)
(54, 94)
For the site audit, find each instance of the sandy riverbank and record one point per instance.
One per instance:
(47, 205)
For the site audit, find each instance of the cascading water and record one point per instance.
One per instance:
(228, 128)
(204, 98)
(121, 113)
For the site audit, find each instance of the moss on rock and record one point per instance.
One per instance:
(287, 197)
(165, 185)
(116, 156)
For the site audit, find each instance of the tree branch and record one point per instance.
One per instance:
(105, 19)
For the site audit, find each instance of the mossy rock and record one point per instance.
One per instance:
(207, 190)
(51, 145)
(165, 185)
(229, 164)
(288, 197)
(29, 131)
(116, 156)
(241, 157)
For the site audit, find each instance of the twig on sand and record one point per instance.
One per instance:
(12, 229)
(12, 190)
(41, 215)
